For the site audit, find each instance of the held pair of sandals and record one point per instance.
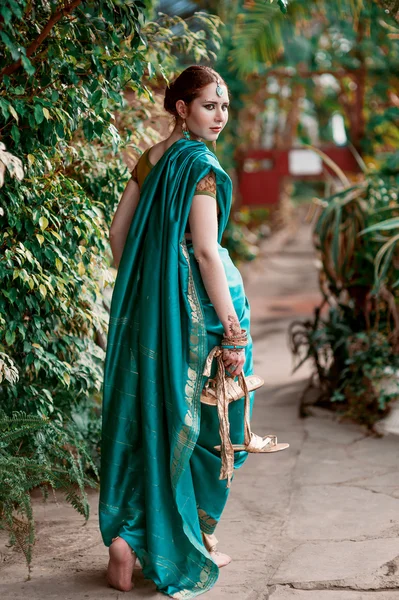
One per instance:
(223, 389)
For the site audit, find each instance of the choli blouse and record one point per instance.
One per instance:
(207, 185)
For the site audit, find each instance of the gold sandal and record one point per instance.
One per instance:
(268, 443)
(223, 394)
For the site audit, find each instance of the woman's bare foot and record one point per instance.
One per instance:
(220, 559)
(121, 565)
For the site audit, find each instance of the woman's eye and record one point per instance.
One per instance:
(212, 106)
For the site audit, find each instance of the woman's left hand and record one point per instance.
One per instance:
(234, 361)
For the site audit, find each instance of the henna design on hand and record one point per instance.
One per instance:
(234, 325)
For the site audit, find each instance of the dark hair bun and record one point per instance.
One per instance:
(170, 101)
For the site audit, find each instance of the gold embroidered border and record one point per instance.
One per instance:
(207, 523)
(189, 431)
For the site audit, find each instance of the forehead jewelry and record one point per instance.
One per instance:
(219, 90)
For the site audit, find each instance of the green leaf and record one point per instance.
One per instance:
(13, 112)
(283, 4)
(382, 226)
(10, 337)
(88, 129)
(43, 290)
(15, 134)
(26, 63)
(96, 97)
(43, 223)
(39, 115)
(6, 14)
(5, 108)
(56, 235)
(10, 45)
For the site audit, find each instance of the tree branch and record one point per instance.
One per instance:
(57, 16)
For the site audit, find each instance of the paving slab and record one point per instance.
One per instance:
(340, 512)
(377, 451)
(371, 563)
(287, 593)
(321, 464)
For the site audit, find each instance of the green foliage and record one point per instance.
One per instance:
(370, 360)
(57, 118)
(283, 4)
(256, 37)
(38, 452)
(355, 350)
(355, 238)
(244, 232)
(357, 371)
(75, 92)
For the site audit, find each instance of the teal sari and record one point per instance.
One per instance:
(160, 486)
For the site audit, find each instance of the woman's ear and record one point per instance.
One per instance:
(181, 108)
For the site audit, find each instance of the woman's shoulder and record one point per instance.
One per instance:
(155, 152)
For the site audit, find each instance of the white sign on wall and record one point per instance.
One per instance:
(304, 162)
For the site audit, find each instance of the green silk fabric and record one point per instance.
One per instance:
(160, 486)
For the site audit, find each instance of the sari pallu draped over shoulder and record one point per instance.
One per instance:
(157, 348)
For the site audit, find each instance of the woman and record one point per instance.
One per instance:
(177, 296)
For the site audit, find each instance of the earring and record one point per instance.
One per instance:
(185, 131)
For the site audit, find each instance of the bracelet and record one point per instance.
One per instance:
(235, 342)
(232, 347)
(236, 336)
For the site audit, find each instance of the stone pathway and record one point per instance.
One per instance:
(319, 521)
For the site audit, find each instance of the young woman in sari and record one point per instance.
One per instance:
(177, 295)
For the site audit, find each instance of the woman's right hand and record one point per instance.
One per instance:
(234, 361)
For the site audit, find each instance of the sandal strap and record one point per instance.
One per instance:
(259, 443)
(226, 447)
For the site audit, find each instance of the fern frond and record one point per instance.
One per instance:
(57, 460)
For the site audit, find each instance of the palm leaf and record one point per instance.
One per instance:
(383, 226)
(257, 37)
(383, 258)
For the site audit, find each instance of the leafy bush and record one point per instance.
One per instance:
(65, 124)
(355, 349)
(357, 371)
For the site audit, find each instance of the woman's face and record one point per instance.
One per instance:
(207, 115)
